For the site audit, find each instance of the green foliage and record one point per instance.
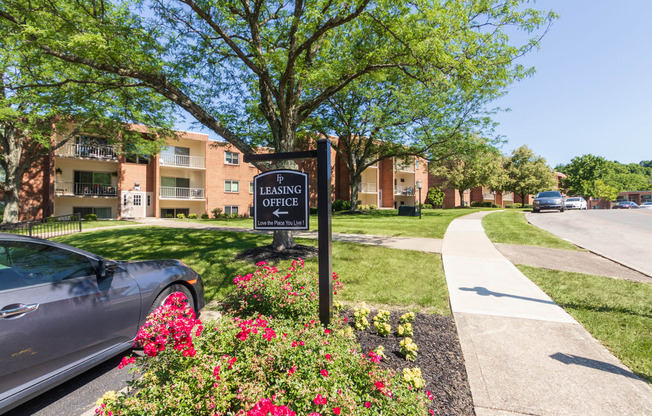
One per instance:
(484, 204)
(527, 173)
(314, 210)
(409, 349)
(435, 196)
(217, 212)
(192, 216)
(293, 362)
(204, 216)
(89, 217)
(337, 205)
(405, 330)
(346, 205)
(181, 216)
(583, 172)
(169, 216)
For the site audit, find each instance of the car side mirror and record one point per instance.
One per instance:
(106, 267)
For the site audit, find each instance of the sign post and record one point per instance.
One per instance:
(281, 203)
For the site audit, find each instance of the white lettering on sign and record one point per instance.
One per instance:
(281, 202)
(281, 190)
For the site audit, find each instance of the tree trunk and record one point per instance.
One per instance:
(283, 239)
(11, 207)
(461, 191)
(355, 186)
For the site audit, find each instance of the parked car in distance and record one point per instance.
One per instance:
(626, 205)
(548, 200)
(645, 205)
(576, 202)
(64, 310)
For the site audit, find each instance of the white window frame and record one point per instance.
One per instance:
(230, 187)
(228, 209)
(251, 187)
(231, 156)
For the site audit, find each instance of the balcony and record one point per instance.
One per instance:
(183, 161)
(488, 196)
(88, 151)
(404, 167)
(367, 188)
(171, 192)
(508, 196)
(404, 190)
(84, 189)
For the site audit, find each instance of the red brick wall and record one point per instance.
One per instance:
(386, 177)
(34, 195)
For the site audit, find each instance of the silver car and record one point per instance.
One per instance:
(548, 200)
(64, 310)
(576, 202)
(645, 205)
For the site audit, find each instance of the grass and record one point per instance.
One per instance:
(385, 222)
(103, 224)
(377, 275)
(616, 312)
(511, 227)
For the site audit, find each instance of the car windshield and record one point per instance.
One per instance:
(648, 203)
(549, 194)
(573, 199)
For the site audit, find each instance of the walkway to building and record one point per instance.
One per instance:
(524, 354)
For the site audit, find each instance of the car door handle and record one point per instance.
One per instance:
(6, 313)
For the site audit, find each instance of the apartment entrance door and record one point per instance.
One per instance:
(133, 204)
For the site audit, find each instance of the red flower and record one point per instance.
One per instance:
(292, 370)
(367, 404)
(336, 410)
(328, 357)
(320, 400)
(324, 373)
(380, 385)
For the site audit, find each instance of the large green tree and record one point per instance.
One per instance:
(44, 103)
(527, 173)
(232, 64)
(583, 172)
(478, 163)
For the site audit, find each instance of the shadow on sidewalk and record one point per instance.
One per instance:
(587, 362)
(483, 291)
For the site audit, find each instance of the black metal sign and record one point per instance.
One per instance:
(281, 200)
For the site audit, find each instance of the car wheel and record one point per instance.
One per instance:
(561, 210)
(176, 288)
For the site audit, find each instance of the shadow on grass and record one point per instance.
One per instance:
(211, 253)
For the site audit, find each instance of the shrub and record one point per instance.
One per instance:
(169, 216)
(346, 205)
(52, 219)
(72, 218)
(314, 210)
(216, 212)
(90, 217)
(360, 314)
(192, 216)
(409, 349)
(406, 317)
(426, 206)
(513, 206)
(204, 216)
(181, 215)
(281, 366)
(405, 330)
(372, 207)
(337, 205)
(363, 207)
(435, 196)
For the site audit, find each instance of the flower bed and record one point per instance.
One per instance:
(268, 354)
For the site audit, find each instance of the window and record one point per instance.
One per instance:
(149, 200)
(133, 155)
(251, 187)
(416, 164)
(231, 158)
(175, 182)
(231, 186)
(173, 212)
(138, 200)
(101, 212)
(93, 183)
(231, 209)
(28, 264)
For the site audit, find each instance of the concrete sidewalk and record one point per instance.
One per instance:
(524, 354)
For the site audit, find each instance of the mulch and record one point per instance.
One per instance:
(439, 358)
(273, 256)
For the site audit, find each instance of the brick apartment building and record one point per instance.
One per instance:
(191, 175)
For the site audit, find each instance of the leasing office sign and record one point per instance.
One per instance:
(281, 200)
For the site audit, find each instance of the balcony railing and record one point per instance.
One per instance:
(367, 188)
(508, 196)
(83, 189)
(488, 195)
(183, 161)
(404, 190)
(171, 192)
(103, 152)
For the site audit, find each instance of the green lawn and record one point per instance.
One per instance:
(381, 276)
(433, 222)
(616, 312)
(511, 227)
(102, 224)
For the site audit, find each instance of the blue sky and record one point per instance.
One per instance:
(592, 91)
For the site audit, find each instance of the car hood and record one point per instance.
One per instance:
(139, 267)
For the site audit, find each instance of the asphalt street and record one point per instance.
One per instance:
(620, 235)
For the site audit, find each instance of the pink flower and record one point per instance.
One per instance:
(429, 395)
(294, 343)
(292, 370)
(327, 331)
(126, 361)
(367, 404)
(302, 343)
(380, 385)
(320, 400)
(337, 410)
(328, 357)
(324, 373)
(432, 412)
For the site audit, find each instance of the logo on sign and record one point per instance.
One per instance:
(281, 200)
